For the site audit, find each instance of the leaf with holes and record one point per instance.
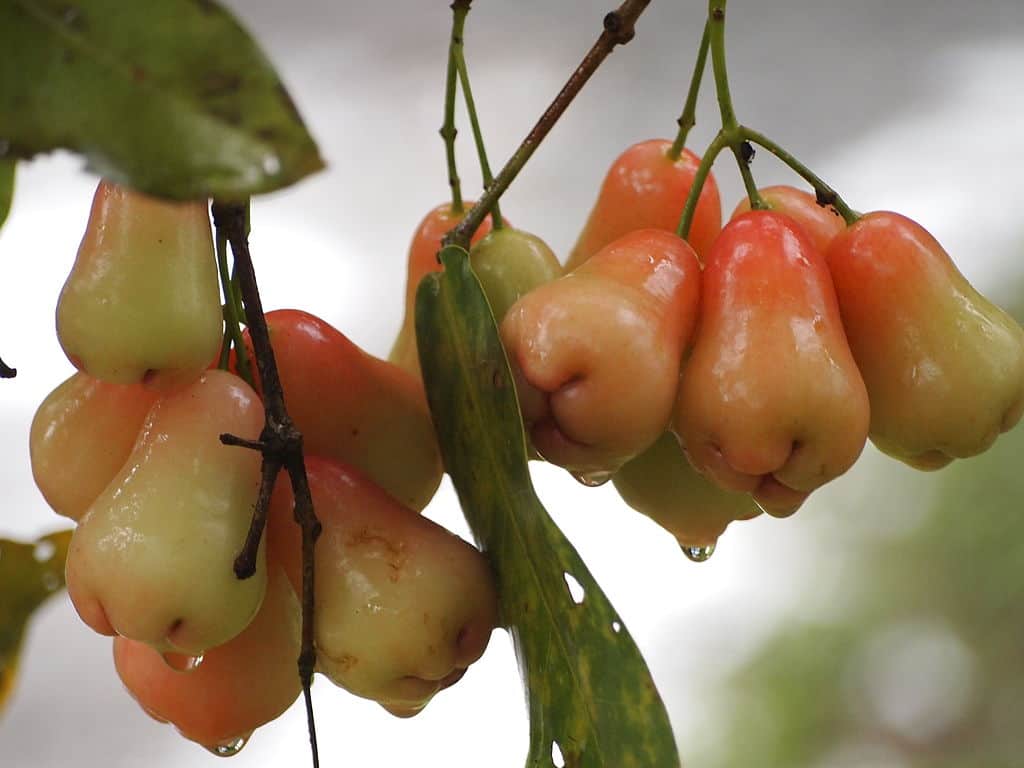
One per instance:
(592, 701)
(29, 573)
(6, 187)
(171, 97)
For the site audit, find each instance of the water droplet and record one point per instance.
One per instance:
(229, 748)
(576, 591)
(556, 755)
(700, 553)
(616, 627)
(181, 662)
(43, 551)
(592, 479)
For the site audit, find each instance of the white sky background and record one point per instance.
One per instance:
(910, 105)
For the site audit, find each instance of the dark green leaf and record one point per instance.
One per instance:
(171, 97)
(588, 687)
(29, 573)
(6, 187)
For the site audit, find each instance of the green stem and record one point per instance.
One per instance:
(720, 142)
(730, 125)
(825, 194)
(688, 118)
(485, 167)
(619, 28)
(232, 327)
(460, 9)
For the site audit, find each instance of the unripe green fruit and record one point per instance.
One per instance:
(142, 302)
(509, 263)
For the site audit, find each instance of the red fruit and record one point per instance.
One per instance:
(770, 401)
(820, 223)
(944, 367)
(645, 189)
(354, 407)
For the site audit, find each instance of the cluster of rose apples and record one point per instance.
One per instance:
(741, 370)
(129, 447)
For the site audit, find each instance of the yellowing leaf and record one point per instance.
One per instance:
(29, 573)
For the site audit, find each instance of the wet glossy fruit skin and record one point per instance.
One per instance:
(239, 686)
(81, 436)
(354, 407)
(142, 301)
(944, 367)
(596, 353)
(402, 605)
(509, 264)
(820, 223)
(644, 189)
(661, 484)
(426, 242)
(152, 557)
(770, 401)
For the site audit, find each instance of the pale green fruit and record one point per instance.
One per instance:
(152, 557)
(142, 301)
(509, 264)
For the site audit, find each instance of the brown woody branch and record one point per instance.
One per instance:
(280, 444)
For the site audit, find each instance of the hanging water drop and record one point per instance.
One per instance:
(699, 554)
(592, 479)
(229, 748)
(181, 662)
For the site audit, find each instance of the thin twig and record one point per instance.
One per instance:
(619, 28)
(280, 444)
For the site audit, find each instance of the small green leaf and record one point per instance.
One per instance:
(7, 166)
(171, 97)
(588, 687)
(29, 573)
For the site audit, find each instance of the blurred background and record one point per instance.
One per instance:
(880, 627)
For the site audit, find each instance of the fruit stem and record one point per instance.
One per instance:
(280, 444)
(232, 329)
(619, 29)
(460, 8)
(467, 93)
(720, 142)
(742, 151)
(824, 193)
(688, 118)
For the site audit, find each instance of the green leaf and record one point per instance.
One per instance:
(7, 167)
(171, 97)
(29, 573)
(588, 687)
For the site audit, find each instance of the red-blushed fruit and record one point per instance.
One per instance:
(402, 605)
(142, 302)
(661, 484)
(820, 223)
(354, 407)
(152, 558)
(426, 242)
(770, 401)
(646, 189)
(235, 688)
(596, 353)
(944, 367)
(81, 436)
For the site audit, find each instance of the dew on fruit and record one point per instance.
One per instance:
(229, 748)
(592, 479)
(698, 554)
(576, 591)
(43, 551)
(181, 662)
(557, 759)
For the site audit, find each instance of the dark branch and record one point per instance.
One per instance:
(281, 445)
(6, 372)
(619, 28)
